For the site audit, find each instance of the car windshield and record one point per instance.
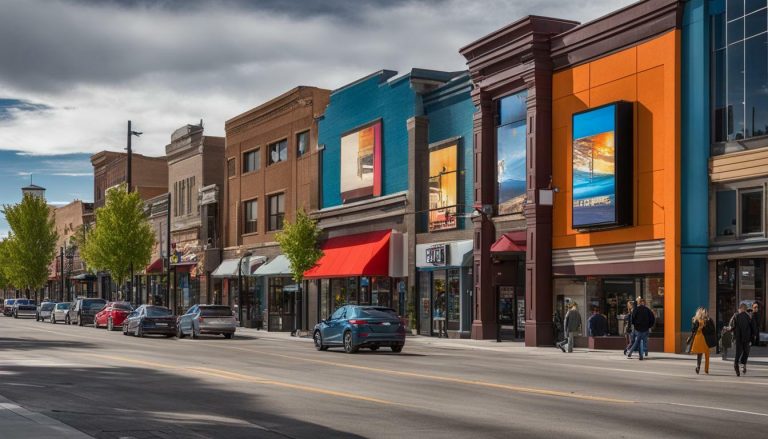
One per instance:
(158, 311)
(376, 313)
(10, 301)
(25, 302)
(93, 304)
(122, 306)
(63, 306)
(47, 306)
(215, 311)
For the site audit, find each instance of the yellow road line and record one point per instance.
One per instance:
(246, 378)
(518, 389)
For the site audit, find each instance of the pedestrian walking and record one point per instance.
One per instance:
(571, 326)
(557, 324)
(628, 329)
(702, 339)
(642, 321)
(726, 341)
(754, 314)
(597, 324)
(741, 326)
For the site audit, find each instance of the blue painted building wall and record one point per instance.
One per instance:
(695, 147)
(374, 97)
(450, 110)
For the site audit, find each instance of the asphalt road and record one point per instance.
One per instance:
(111, 386)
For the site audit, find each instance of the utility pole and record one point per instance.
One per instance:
(168, 254)
(61, 255)
(129, 180)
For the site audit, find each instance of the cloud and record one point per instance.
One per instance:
(73, 174)
(91, 65)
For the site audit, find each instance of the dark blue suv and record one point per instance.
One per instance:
(354, 327)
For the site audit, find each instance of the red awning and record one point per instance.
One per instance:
(155, 267)
(365, 254)
(512, 242)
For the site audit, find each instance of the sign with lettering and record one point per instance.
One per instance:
(437, 254)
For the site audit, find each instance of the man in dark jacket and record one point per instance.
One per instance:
(756, 323)
(597, 324)
(642, 321)
(741, 326)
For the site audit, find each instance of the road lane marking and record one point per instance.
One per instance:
(248, 378)
(720, 409)
(517, 389)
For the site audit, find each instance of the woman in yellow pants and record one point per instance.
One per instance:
(703, 338)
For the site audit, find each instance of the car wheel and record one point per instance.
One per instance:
(110, 325)
(228, 335)
(125, 329)
(319, 342)
(397, 348)
(179, 332)
(374, 348)
(348, 346)
(79, 320)
(67, 321)
(53, 319)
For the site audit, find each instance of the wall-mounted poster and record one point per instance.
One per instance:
(443, 187)
(602, 166)
(361, 163)
(511, 153)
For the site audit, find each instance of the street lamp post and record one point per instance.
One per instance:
(240, 286)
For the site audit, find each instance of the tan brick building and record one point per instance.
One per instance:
(195, 177)
(150, 174)
(69, 220)
(272, 170)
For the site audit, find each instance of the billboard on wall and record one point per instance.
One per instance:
(602, 166)
(443, 187)
(361, 163)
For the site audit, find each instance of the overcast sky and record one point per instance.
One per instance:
(72, 72)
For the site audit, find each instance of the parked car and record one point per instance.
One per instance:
(150, 319)
(207, 319)
(59, 312)
(8, 307)
(113, 315)
(83, 310)
(44, 311)
(354, 327)
(24, 308)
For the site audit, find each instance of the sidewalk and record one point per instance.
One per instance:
(16, 422)
(758, 355)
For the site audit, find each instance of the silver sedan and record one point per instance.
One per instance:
(59, 312)
(206, 319)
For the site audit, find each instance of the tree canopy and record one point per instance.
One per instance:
(31, 245)
(121, 238)
(299, 243)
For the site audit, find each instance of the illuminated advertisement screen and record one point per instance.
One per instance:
(602, 166)
(361, 163)
(443, 187)
(511, 153)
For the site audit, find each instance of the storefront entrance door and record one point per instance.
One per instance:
(511, 312)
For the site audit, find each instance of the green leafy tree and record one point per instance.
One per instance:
(299, 242)
(121, 238)
(4, 281)
(31, 244)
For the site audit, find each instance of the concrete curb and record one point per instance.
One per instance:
(18, 422)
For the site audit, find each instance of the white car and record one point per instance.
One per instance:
(59, 312)
(44, 311)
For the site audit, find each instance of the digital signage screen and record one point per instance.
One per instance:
(443, 187)
(361, 163)
(602, 167)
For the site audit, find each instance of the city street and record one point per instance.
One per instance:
(261, 385)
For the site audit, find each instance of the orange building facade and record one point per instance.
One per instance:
(606, 267)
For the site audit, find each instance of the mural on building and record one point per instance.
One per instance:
(361, 163)
(443, 186)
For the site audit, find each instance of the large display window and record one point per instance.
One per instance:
(443, 187)
(361, 163)
(511, 153)
(739, 281)
(609, 295)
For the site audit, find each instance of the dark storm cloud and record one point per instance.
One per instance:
(9, 108)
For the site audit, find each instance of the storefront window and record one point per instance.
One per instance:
(382, 292)
(325, 299)
(338, 292)
(353, 289)
(365, 291)
(453, 303)
(739, 281)
(653, 293)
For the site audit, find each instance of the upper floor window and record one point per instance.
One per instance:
(251, 161)
(361, 164)
(511, 153)
(276, 211)
(278, 152)
(443, 187)
(739, 212)
(251, 216)
(739, 75)
(183, 191)
(302, 143)
(231, 169)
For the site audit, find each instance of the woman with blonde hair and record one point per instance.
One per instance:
(703, 338)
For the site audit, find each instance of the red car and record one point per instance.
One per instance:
(113, 315)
